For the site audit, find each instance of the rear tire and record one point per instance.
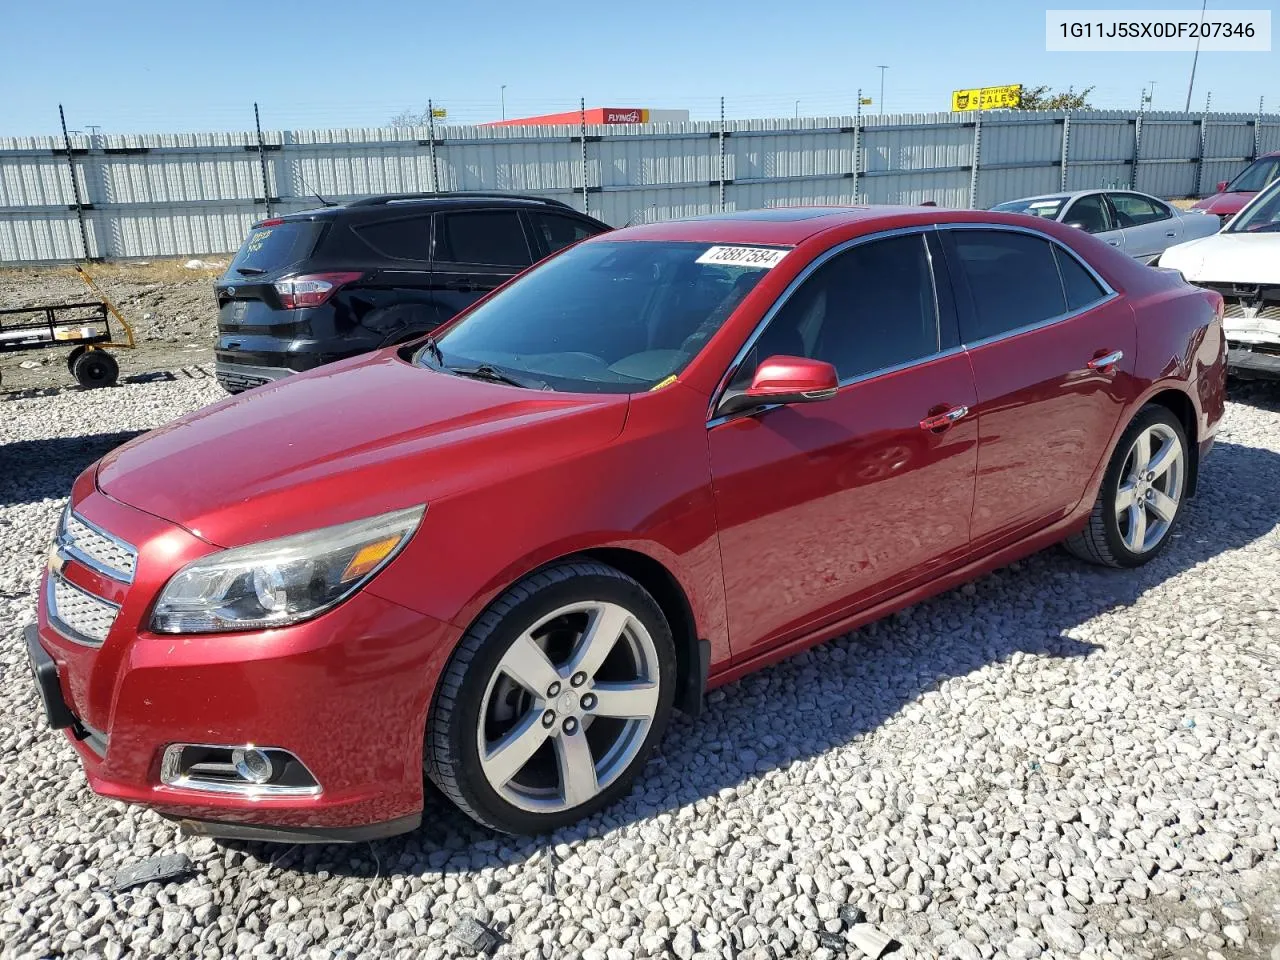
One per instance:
(1142, 493)
(96, 368)
(553, 699)
(72, 357)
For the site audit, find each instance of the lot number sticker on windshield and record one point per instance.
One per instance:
(760, 257)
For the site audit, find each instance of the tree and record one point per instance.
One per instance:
(411, 118)
(1042, 98)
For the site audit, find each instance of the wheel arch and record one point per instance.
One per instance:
(1180, 404)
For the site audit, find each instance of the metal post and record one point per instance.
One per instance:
(977, 153)
(431, 145)
(1257, 132)
(75, 186)
(722, 154)
(582, 107)
(857, 145)
(262, 160)
(1194, 60)
(882, 67)
(1204, 120)
(1066, 149)
(1137, 149)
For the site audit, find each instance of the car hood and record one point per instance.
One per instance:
(345, 441)
(1223, 204)
(1227, 258)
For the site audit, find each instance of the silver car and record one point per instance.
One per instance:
(1141, 225)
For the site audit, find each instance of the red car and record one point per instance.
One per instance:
(1232, 196)
(649, 465)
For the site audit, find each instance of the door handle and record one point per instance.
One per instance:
(1101, 363)
(1114, 243)
(1170, 234)
(941, 421)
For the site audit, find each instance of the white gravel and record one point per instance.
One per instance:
(1056, 761)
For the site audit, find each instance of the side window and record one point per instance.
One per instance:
(865, 309)
(491, 237)
(1090, 213)
(1133, 210)
(399, 239)
(1012, 279)
(556, 231)
(1077, 282)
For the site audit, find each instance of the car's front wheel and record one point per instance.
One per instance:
(1141, 495)
(553, 699)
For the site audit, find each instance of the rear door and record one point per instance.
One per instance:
(1035, 322)
(396, 301)
(476, 251)
(1091, 214)
(555, 231)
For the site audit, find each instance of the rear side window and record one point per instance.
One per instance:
(270, 249)
(1078, 283)
(1012, 279)
(557, 232)
(399, 239)
(491, 237)
(1133, 210)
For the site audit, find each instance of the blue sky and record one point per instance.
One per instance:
(146, 65)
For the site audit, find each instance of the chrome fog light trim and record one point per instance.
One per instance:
(244, 770)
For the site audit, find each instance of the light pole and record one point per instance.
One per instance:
(1151, 94)
(1192, 82)
(797, 109)
(502, 95)
(882, 67)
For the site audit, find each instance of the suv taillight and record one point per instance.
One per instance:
(311, 289)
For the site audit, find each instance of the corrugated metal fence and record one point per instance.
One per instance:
(157, 195)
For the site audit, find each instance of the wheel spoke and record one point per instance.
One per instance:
(1168, 455)
(636, 701)
(1124, 497)
(525, 663)
(577, 768)
(513, 751)
(1142, 452)
(1137, 534)
(599, 639)
(1162, 505)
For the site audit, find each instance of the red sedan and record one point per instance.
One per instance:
(653, 463)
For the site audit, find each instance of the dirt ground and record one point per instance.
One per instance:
(170, 307)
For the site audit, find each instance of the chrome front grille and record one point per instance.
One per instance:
(1234, 310)
(97, 549)
(78, 615)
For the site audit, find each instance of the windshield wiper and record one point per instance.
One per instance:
(484, 371)
(434, 349)
(250, 271)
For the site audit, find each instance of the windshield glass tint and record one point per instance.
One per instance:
(1046, 207)
(268, 249)
(1262, 215)
(1257, 175)
(604, 317)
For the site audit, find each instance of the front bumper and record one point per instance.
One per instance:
(347, 693)
(1243, 360)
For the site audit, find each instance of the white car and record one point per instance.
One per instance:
(1243, 264)
(1141, 225)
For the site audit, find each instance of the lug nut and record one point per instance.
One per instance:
(1151, 476)
(588, 701)
(570, 725)
(549, 718)
(554, 689)
(578, 679)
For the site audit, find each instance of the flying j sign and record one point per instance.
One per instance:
(987, 98)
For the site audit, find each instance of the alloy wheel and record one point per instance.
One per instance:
(1151, 485)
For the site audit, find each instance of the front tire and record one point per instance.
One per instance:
(1141, 495)
(553, 699)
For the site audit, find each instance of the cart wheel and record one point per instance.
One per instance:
(96, 368)
(73, 356)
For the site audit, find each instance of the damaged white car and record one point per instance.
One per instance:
(1243, 264)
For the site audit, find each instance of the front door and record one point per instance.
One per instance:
(1038, 327)
(826, 506)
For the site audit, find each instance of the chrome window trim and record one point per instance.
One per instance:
(67, 547)
(65, 629)
(1110, 293)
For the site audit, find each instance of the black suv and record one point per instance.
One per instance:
(313, 287)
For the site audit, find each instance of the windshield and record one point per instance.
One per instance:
(605, 316)
(1256, 176)
(275, 246)
(1046, 207)
(1262, 215)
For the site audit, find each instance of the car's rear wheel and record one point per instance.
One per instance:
(553, 699)
(1141, 495)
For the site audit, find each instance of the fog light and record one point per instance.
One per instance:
(252, 764)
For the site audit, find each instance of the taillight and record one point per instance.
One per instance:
(311, 289)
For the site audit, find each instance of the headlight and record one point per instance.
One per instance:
(284, 581)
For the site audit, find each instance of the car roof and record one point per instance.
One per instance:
(377, 206)
(787, 226)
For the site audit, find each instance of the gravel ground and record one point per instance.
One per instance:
(1054, 761)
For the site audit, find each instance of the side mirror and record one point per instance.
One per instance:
(1222, 186)
(782, 379)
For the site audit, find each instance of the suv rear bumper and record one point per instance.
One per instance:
(1253, 363)
(235, 377)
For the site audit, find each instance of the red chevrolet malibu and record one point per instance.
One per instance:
(655, 462)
